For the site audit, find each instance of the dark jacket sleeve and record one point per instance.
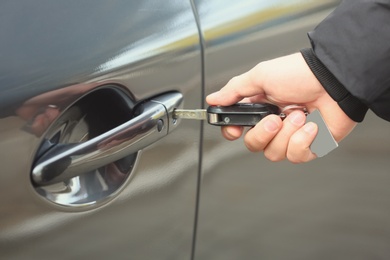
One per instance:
(351, 57)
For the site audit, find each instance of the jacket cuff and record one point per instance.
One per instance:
(352, 106)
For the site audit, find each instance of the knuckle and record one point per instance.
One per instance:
(299, 157)
(296, 141)
(254, 142)
(251, 148)
(260, 66)
(233, 87)
(299, 148)
(234, 80)
(273, 156)
(294, 159)
(258, 75)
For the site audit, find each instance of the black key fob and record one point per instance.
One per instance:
(240, 114)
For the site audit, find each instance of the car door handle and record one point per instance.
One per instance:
(151, 123)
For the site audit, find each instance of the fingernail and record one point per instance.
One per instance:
(297, 118)
(271, 126)
(310, 128)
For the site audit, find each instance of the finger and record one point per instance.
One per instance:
(299, 145)
(257, 138)
(39, 124)
(277, 148)
(52, 113)
(232, 133)
(235, 90)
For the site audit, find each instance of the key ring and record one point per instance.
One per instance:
(288, 109)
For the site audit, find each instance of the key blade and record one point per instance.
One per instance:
(195, 114)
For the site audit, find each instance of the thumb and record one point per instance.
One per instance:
(235, 90)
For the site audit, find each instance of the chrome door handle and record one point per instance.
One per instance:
(65, 161)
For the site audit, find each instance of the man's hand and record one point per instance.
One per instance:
(282, 81)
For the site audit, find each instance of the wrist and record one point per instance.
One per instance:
(351, 105)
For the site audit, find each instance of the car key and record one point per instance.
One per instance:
(240, 114)
(247, 114)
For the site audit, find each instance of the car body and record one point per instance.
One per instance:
(74, 73)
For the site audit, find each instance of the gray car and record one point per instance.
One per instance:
(94, 167)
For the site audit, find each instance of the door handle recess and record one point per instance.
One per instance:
(151, 123)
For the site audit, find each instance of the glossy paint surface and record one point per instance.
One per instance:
(52, 54)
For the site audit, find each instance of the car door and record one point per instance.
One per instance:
(83, 84)
(335, 207)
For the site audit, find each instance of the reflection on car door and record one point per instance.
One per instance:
(54, 55)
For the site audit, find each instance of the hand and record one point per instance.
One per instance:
(282, 81)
